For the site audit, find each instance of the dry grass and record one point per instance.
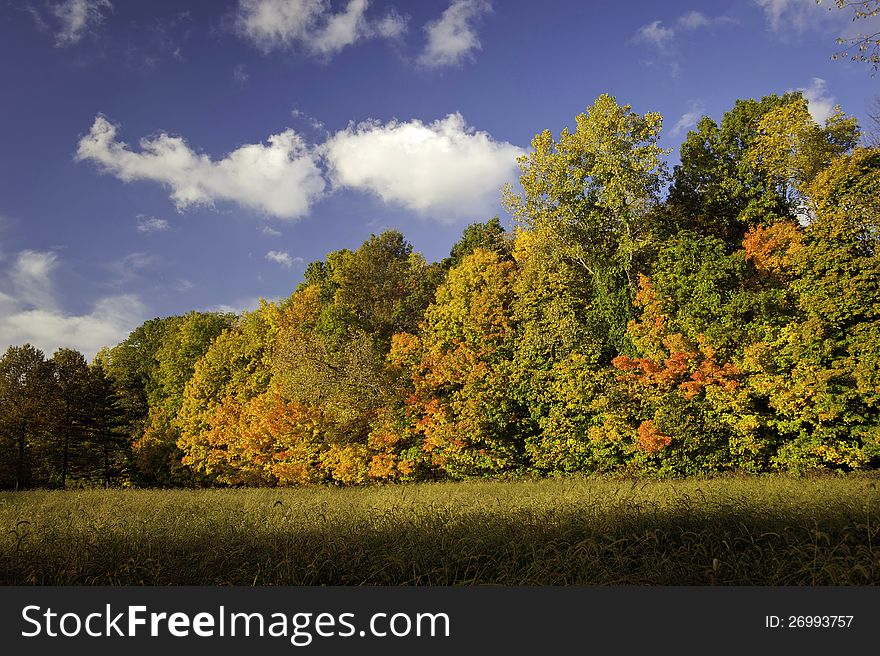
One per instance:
(727, 531)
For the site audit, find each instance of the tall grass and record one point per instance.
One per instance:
(728, 531)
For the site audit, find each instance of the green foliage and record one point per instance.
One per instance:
(589, 197)
(822, 379)
(149, 370)
(791, 149)
(107, 457)
(72, 387)
(717, 190)
(235, 368)
(460, 364)
(489, 236)
(132, 367)
(379, 290)
(26, 414)
(57, 421)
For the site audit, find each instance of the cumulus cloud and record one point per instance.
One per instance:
(689, 119)
(147, 224)
(75, 18)
(31, 312)
(444, 169)
(283, 258)
(453, 37)
(820, 103)
(268, 231)
(282, 24)
(280, 178)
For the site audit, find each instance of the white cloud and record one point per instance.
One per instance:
(452, 38)
(695, 20)
(341, 30)
(31, 277)
(277, 24)
(792, 18)
(147, 224)
(792, 15)
(444, 169)
(688, 119)
(391, 26)
(109, 322)
(282, 24)
(7, 306)
(268, 231)
(283, 258)
(280, 178)
(819, 102)
(655, 34)
(31, 314)
(133, 262)
(662, 37)
(309, 120)
(76, 17)
(129, 268)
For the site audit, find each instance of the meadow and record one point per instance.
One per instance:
(770, 530)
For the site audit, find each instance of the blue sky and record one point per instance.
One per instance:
(158, 157)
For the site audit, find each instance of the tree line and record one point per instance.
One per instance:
(719, 317)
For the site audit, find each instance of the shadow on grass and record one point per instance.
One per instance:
(628, 542)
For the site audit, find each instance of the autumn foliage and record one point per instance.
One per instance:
(729, 324)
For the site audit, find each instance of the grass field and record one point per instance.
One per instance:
(727, 531)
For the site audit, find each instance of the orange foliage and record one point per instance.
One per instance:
(671, 359)
(681, 369)
(771, 249)
(405, 350)
(650, 439)
(648, 333)
(384, 463)
(265, 440)
(382, 466)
